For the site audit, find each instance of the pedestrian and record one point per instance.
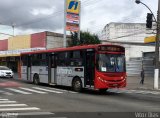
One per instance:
(142, 77)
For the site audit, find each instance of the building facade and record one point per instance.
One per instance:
(11, 48)
(128, 32)
(137, 56)
(125, 32)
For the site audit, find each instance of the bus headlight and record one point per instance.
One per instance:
(102, 79)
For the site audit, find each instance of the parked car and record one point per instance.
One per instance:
(6, 72)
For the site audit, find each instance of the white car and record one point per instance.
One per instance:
(6, 72)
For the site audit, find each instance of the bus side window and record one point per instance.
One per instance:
(76, 58)
(61, 59)
(43, 60)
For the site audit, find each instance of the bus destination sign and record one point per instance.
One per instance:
(111, 48)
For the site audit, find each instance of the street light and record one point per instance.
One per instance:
(138, 1)
(13, 27)
(156, 70)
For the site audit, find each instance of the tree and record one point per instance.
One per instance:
(86, 38)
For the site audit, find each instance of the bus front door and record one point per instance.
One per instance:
(52, 69)
(90, 57)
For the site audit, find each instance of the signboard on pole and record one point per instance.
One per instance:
(72, 18)
(73, 6)
(73, 15)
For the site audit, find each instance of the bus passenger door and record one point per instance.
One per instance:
(90, 65)
(52, 69)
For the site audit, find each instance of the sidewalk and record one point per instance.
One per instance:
(134, 83)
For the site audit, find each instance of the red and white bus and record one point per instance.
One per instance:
(92, 66)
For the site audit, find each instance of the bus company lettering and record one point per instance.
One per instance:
(64, 71)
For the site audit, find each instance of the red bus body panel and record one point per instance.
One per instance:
(109, 80)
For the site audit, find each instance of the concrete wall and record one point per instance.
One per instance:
(19, 42)
(136, 51)
(132, 32)
(128, 32)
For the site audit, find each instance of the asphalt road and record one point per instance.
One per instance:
(22, 99)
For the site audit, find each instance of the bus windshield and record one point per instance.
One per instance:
(111, 63)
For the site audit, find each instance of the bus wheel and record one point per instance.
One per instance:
(36, 79)
(103, 90)
(77, 85)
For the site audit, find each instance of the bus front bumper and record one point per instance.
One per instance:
(116, 83)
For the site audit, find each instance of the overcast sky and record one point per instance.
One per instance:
(47, 15)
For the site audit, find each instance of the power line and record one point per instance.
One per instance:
(6, 34)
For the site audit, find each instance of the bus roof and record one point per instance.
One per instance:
(69, 48)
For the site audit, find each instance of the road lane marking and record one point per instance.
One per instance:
(10, 105)
(35, 113)
(144, 92)
(141, 92)
(3, 99)
(7, 101)
(19, 109)
(128, 91)
(47, 90)
(58, 117)
(115, 91)
(63, 90)
(18, 91)
(8, 93)
(41, 92)
(134, 91)
(152, 92)
(156, 93)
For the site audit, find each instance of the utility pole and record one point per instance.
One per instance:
(13, 29)
(156, 71)
(64, 35)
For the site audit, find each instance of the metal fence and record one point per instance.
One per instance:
(134, 66)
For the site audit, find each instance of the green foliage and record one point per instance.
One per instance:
(86, 38)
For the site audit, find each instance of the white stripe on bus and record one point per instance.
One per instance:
(41, 92)
(18, 91)
(47, 90)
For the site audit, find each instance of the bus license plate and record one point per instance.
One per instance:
(115, 84)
